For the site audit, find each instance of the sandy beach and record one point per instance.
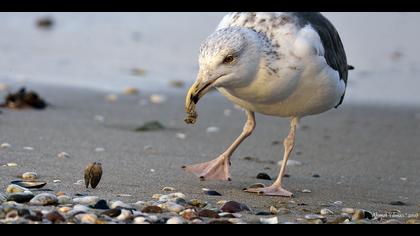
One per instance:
(366, 157)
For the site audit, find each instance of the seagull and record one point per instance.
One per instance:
(289, 65)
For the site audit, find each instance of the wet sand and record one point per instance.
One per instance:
(366, 156)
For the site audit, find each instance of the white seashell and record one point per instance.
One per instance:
(271, 221)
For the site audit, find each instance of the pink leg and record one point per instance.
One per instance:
(276, 189)
(218, 169)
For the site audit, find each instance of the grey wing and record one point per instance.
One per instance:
(334, 49)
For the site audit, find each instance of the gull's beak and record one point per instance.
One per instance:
(195, 93)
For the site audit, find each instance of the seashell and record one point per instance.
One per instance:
(175, 221)
(44, 199)
(29, 184)
(211, 192)
(152, 209)
(234, 207)
(29, 176)
(22, 197)
(271, 221)
(93, 174)
(208, 214)
(5, 145)
(326, 211)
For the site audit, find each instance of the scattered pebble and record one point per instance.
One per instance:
(211, 192)
(101, 204)
(167, 189)
(64, 200)
(131, 91)
(28, 148)
(157, 98)
(13, 188)
(326, 211)
(124, 195)
(212, 129)
(348, 210)
(63, 155)
(80, 182)
(263, 176)
(44, 199)
(12, 164)
(88, 200)
(29, 184)
(45, 22)
(306, 191)
(291, 163)
(234, 207)
(140, 220)
(208, 214)
(271, 221)
(29, 176)
(175, 221)
(120, 204)
(56, 181)
(338, 203)
(316, 176)
(87, 218)
(21, 197)
(152, 209)
(55, 217)
(112, 212)
(5, 145)
(125, 215)
(111, 97)
(181, 136)
(171, 207)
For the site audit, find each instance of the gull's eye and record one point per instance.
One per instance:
(228, 59)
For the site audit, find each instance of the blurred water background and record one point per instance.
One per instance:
(112, 51)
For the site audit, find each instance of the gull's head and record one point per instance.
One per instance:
(228, 58)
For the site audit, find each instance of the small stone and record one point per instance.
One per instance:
(124, 195)
(131, 91)
(358, 215)
(101, 204)
(338, 203)
(234, 207)
(171, 197)
(189, 214)
(87, 218)
(221, 202)
(5, 145)
(56, 181)
(263, 213)
(112, 212)
(397, 203)
(157, 98)
(63, 155)
(212, 129)
(140, 220)
(271, 221)
(263, 176)
(28, 148)
(326, 211)
(208, 214)
(44, 199)
(22, 197)
(314, 217)
(111, 97)
(172, 207)
(175, 221)
(125, 215)
(181, 201)
(348, 210)
(29, 176)
(64, 200)
(167, 189)
(274, 210)
(152, 209)
(80, 209)
(306, 191)
(211, 192)
(230, 215)
(13, 188)
(181, 136)
(157, 196)
(55, 217)
(12, 164)
(65, 209)
(338, 220)
(120, 204)
(197, 203)
(150, 126)
(315, 176)
(88, 200)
